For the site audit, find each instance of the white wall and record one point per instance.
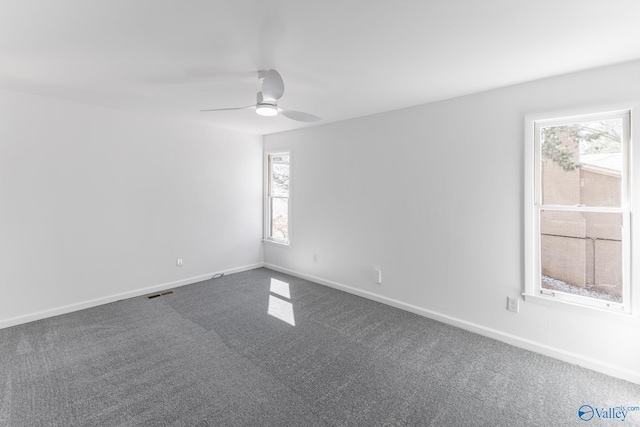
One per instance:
(433, 195)
(97, 203)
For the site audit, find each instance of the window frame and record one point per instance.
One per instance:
(267, 203)
(533, 207)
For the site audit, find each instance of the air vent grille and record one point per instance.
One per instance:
(159, 295)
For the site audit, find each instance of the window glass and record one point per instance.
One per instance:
(581, 163)
(277, 197)
(280, 219)
(581, 253)
(280, 176)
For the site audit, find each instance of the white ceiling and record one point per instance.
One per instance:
(339, 59)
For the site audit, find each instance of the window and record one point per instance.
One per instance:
(579, 210)
(277, 206)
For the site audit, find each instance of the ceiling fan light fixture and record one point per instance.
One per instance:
(266, 110)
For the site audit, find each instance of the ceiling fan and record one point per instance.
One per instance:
(266, 105)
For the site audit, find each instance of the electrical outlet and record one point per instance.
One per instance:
(513, 304)
(377, 276)
(179, 262)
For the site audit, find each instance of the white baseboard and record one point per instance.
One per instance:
(556, 353)
(6, 323)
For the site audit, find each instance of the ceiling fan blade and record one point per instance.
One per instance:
(272, 86)
(229, 109)
(299, 115)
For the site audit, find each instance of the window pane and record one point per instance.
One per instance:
(581, 164)
(581, 253)
(279, 176)
(279, 219)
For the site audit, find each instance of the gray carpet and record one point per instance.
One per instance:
(210, 355)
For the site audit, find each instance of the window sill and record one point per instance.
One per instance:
(278, 244)
(572, 307)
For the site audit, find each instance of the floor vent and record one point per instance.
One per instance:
(159, 295)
